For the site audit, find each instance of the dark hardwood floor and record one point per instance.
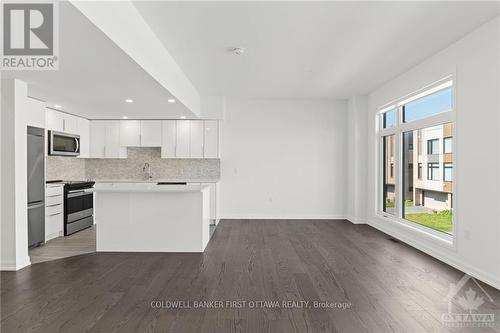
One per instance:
(389, 286)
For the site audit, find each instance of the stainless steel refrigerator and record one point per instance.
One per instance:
(36, 186)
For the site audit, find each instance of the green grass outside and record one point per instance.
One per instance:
(441, 221)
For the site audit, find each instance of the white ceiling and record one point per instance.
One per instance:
(306, 49)
(95, 77)
(293, 50)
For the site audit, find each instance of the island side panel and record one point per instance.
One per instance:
(150, 222)
(206, 216)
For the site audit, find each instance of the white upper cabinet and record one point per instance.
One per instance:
(84, 132)
(211, 139)
(130, 133)
(54, 120)
(151, 133)
(61, 122)
(97, 138)
(182, 139)
(196, 138)
(67, 123)
(70, 123)
(140, 133)
(190, 139)
(168, 138)
(105, 139)
(112, 139)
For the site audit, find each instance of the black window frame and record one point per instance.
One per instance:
(444, 145)
(429, 146)
(430, 172)
(447, 165)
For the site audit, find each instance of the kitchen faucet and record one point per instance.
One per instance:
(146, 170)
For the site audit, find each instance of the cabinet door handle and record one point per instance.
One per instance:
(55, 214)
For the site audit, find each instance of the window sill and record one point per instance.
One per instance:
(442, 238)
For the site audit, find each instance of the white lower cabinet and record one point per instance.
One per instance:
(54, 211)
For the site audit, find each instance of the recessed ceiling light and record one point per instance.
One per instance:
(57, 106)
(183, 117)
(128, 100)
(238, 50)
(124, 117)
(171, 100)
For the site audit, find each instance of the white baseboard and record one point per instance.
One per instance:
(285, 217)
(356, 220)
(13, 266)
(479, 274)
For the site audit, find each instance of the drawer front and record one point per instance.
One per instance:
(54, 209)
(53, 190)
(51, 200)
(54, 224)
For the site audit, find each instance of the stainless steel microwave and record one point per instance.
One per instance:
(64, 144)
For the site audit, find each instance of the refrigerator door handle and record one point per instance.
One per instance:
(36, 205)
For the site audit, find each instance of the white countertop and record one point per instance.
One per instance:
(154, 181)
(144, 187)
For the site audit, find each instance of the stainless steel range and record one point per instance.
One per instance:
(78, 206)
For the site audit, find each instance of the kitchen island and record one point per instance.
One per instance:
(147, 217)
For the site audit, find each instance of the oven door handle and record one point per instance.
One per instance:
(74, 194)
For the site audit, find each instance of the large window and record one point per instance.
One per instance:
(429, 105)
(388, 177)
(422, 134)
(389, 119)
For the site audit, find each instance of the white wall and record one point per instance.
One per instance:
(283, 159)
(474, 61)
(18, 111)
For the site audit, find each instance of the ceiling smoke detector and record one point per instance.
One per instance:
(238, 50)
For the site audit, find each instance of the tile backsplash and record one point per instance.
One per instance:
(65, 168)
(131, 167)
